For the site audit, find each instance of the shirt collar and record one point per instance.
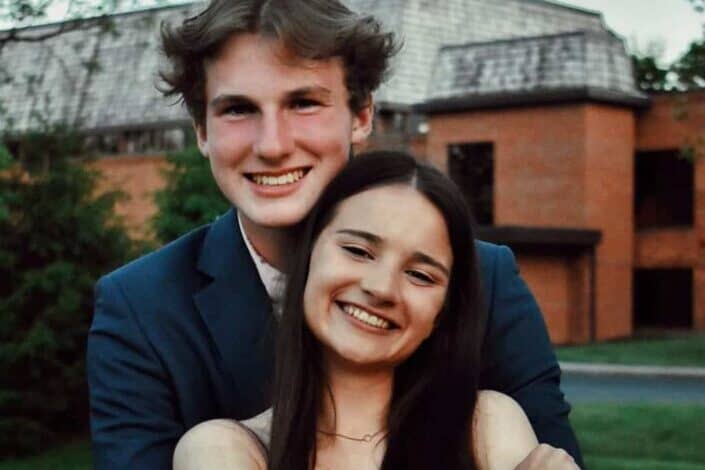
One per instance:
(273, 279)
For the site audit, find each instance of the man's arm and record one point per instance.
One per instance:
(133, 422)
(519, 358)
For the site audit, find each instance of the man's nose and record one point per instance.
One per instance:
(381, 284)
(274, 140)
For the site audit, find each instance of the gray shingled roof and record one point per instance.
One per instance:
(52, 78)
(121, 94)
(427, 25)
(547, 65)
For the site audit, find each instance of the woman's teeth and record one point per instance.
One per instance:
(366, 317)
(286, 178)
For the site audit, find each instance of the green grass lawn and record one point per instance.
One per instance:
(613, 437)
(679, 351)
(73, 456)
(643, 436)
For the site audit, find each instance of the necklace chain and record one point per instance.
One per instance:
(365, 438)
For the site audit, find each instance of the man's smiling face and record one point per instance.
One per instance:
(278, 128)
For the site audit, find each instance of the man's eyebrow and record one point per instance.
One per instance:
(370, 237)
(310, 90)
(426, 259)
(226, 98)
(293, 94)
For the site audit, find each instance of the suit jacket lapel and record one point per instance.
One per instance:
(238, 314)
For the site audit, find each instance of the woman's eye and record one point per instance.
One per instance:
(420, 276)
(357, 251)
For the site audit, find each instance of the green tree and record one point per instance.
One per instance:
(5, 164)
(190, 198)
(650, 73)
(58, 237)
(693, 63)
(690, 68)
(649, 76)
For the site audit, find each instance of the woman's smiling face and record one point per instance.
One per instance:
(378, 277)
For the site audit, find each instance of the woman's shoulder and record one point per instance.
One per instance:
(503, 434)
(498, 403)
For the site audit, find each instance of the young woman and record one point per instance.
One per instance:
(380, 339)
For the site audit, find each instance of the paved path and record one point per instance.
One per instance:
(596, 383)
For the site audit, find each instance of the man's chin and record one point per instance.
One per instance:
(277, 219)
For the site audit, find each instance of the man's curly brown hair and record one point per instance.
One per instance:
(310, 29)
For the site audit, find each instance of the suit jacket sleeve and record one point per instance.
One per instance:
(519, 358)
(133, 422)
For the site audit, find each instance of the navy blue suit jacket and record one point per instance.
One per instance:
(183, 335)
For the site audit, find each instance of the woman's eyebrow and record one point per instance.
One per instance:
(426, 259)
(370, 237)
(417, 255)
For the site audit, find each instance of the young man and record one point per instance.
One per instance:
(279, 92)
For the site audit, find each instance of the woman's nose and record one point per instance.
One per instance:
(381, 284)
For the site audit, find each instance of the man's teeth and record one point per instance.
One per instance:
(286, 178)
(366, 317)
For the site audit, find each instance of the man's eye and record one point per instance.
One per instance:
(304, 104)
(357, 251)
(239, 109)
(420, 276)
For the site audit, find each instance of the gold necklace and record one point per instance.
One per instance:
(365, 438)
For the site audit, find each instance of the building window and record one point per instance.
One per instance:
(139, 142)
(664, 190)
(471, 166)
(663, 298)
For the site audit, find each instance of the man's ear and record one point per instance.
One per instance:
(362, 122)
(201, 138)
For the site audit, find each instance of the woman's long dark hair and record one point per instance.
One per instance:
(435, 389)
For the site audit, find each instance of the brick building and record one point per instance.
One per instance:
(529, 106)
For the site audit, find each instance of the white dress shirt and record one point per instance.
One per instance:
(274, 280)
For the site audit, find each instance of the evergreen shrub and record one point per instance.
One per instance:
(57, 236)
(190, 198)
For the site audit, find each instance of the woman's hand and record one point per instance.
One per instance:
(545, 457)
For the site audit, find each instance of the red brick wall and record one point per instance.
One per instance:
(538, 160)
(677, 121)
(561, 166)
(609, 206)
(665, 248)
(139, 177)
(673, 120)
(561, 286)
